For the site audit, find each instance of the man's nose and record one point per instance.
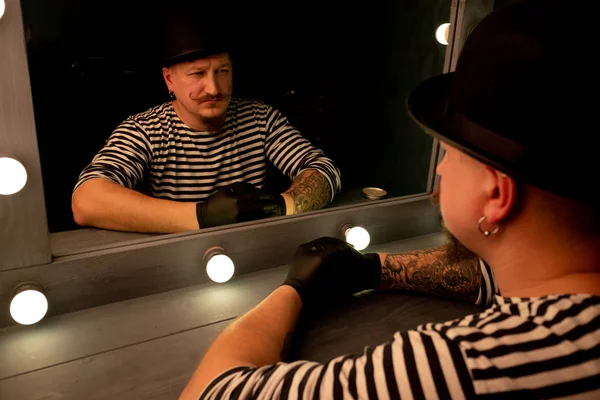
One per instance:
(212, 87)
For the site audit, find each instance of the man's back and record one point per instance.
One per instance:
(543, 347)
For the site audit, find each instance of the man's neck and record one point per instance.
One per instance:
(197, 123)
(538, 265)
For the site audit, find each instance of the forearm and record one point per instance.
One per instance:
(309, 191)
(430, 271)
(258, 338)
(107, 205)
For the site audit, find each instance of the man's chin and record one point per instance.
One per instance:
(211, 113)
(212, 110)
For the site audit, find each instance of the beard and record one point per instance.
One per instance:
(214, 123)
(454, 250)
(214, 119)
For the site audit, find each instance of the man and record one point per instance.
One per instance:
(505, 198)
(200, 158)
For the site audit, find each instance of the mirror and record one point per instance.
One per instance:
(339, 74)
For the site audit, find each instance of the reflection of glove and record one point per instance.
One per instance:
(277, 207)
(237, 202)
(330, 268)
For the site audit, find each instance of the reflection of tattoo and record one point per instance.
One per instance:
(310, 191)
(287, 345)
(430, 271)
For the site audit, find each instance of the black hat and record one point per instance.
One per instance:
(521, 97)
(191, 31)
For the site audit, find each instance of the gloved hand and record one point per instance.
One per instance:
(238, 202)
(329, 268)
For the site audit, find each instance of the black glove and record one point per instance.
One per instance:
(276, 207)
(329, 268)
(238, 202)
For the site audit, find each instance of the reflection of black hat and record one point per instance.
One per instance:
(520, 99)
(190, 32)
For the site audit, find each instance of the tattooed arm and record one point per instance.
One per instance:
(432, 272)
(315, 177)
(260, 337)
(309, 191)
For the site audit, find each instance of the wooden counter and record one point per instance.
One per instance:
(148, 347)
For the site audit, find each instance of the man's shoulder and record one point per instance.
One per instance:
(530, 319)
(509, 345)
(243, 105)
(545, 307)
(154, 122)
(247, 102)
(153, 115)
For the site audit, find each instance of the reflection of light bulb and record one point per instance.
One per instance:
(441, 33)
(29, 305)
(1, 8)
(13, 175)
(358, 237)
(219, 267)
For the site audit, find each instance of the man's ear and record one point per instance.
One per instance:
(502, 195)
(167, 76)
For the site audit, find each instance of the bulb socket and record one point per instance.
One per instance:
(29, 285)
(346, 228)
(213, 251)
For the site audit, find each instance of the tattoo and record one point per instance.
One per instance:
(287, 345)
(310, 191)
(432, 272)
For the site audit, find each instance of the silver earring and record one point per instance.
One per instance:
(486, 233)
(171, 95)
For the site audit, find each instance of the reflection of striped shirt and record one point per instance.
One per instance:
(157, 152)
(544, 347)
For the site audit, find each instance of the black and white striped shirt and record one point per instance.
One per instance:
(544, 347)
(156, 152)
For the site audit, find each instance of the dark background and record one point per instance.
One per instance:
(340, 73)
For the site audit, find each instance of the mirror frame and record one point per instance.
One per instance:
(96, 274)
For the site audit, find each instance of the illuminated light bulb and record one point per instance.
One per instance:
(219, 267)
(28, 305)
(357, 236)
(2, 8)
(13, 175)
(441, 33)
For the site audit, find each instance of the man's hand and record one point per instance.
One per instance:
(329, 268)
(238, 202)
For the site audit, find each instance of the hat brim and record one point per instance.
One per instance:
(192, 55)
(427, 105)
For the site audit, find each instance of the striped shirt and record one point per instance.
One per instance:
(543, 347)
(156, 152)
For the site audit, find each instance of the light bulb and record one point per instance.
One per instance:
(219, 267)
(441, 33)
(29, 305)
(13, 175)
(2, 8)
(358, 237)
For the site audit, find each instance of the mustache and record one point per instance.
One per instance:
(435, 197)
(220, 96)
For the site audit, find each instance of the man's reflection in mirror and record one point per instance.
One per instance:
(200, 159)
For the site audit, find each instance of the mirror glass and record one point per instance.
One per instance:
(340, 74)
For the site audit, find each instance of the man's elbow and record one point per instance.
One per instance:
(80, 208)
(84, 203)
